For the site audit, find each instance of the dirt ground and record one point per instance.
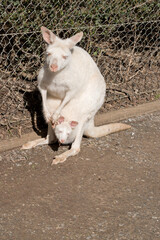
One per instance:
(110, 191)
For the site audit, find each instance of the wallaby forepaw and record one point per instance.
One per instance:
(54, 118)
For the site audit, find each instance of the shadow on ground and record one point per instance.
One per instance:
(33, 103)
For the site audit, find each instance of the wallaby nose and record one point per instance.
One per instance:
(54, 67)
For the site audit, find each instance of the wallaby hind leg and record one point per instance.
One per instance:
(100, 131)
(50, 138)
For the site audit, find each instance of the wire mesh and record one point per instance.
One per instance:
(123, 37)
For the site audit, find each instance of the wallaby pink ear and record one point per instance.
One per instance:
(48, 36)
(75, 39)
(60, 119)
(73, 124)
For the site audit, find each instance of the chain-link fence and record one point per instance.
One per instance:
(122, 36)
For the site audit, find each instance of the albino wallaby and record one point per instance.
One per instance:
(65, 72)
(73, 88)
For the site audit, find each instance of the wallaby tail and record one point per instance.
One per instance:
(95, 132)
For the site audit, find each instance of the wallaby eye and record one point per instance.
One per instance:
(64, 57)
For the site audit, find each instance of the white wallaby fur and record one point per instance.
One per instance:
(78, 120)
(66, 134)
(65, 72)
(72, 86)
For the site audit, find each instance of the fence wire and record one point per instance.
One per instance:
(123, 37)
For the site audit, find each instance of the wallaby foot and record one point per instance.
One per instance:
(49, 139)
(33, 144)
(63, 157)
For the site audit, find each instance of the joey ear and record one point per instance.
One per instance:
(60, 119)
(75, 39)
(48, 36)
(73, 124)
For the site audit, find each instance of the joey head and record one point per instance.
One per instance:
(64, 130)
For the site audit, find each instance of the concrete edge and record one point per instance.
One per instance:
(126, 113)
(113, 116)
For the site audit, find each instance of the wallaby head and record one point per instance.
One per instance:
(58, 50)
(63, 129)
